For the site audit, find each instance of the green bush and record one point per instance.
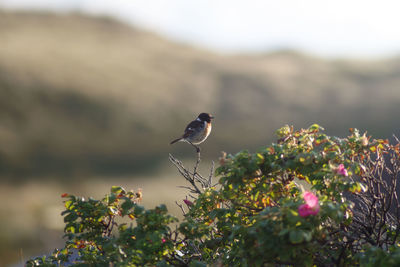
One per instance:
(308, 199)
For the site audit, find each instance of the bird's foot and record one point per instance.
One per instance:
(196, 147)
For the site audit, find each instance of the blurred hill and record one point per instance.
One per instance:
(90, 94)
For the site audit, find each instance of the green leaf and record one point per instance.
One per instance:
(307, 235)
(138, 210)
(260, 157)
(296, 236)
(284, 232)
(315, 128)
(126, 206)
(68, 204)
(113, 210)
(70, 217)
(117, 190)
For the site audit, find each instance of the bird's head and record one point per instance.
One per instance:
(205, 117)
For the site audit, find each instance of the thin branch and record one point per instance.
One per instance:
(185, 173)
(197, 181)
(209, 182)
(197, 162)
(181, 207)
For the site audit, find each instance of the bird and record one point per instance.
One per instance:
(197, 131)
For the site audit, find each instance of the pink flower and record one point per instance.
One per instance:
(311, 207)
(188, 202)
(305, 210)
(310, 199)
(341, 170)
(163, 240)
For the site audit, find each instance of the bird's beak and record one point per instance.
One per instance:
(212, 117)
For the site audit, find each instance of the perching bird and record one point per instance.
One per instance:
(197, 131)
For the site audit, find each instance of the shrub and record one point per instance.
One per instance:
(308, 199)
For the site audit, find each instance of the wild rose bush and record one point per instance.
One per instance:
(308, 199)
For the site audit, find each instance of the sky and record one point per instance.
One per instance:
(339, 28)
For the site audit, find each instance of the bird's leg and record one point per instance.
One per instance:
(196, 147)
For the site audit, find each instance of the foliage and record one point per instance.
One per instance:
(375, 256)
(308, 199)
(89, 229)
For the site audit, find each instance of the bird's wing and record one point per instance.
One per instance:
(192, 127)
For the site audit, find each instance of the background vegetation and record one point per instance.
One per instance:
(84, 97)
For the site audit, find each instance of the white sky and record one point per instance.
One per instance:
(335, 28)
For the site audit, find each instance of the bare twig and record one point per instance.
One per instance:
(186, 174)
(197, 162)
(181, 207)
(197, 181)
(209, 182)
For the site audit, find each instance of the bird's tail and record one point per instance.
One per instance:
(176, 140)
